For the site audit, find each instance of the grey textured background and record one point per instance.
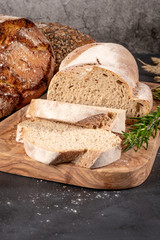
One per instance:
(133, 23)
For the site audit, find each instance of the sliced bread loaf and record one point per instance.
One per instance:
(51, 143)
(101, 74)
(80, 115)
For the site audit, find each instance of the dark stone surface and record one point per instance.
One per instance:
(36, 209)
(132, 23)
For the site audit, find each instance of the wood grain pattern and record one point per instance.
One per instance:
(131, 170)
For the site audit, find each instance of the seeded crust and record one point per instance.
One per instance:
(63, 39)
(26, 63)
(97, 86)
(52, 142)
(79, 115)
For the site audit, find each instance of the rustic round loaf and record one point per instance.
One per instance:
(63, 39)
(102, 74)
(26, 63)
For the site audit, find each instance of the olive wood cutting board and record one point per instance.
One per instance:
(131, 170)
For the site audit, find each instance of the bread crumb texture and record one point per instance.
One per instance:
(60, 137)
(94, 85)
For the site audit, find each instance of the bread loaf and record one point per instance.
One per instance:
(101, 74)
(63, 39)
(52, 142)
(26, 63)
(79, 115)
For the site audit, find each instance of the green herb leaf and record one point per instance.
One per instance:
(140, 132)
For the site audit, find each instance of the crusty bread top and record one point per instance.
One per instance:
(111, 56)
(26, 62)
(3, 18)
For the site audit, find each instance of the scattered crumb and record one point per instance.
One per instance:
(98, 196)
(73, 210)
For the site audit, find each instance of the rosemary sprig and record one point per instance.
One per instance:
(156, 93)
(141, 131)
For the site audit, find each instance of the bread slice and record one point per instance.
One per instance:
(51, 142)
(80, 115)
(96, 85)
(102, 74)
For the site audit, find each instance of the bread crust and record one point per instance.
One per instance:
(27, 62)
(63, 39)
(93, 159)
